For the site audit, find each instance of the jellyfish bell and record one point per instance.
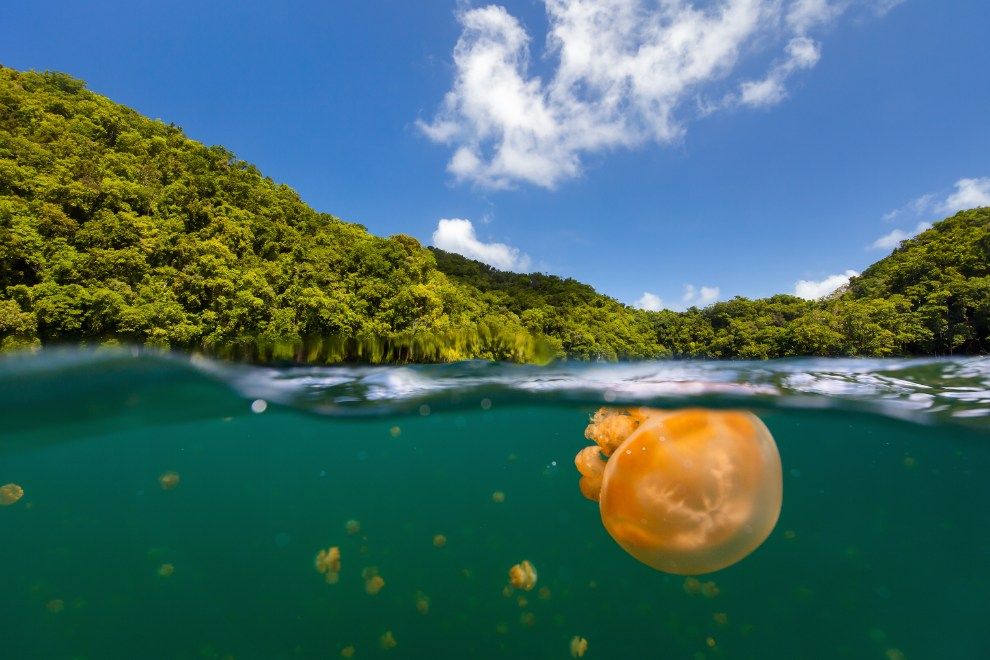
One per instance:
(10, 494)
(691, 491)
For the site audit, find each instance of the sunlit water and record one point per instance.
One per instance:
(882, 549)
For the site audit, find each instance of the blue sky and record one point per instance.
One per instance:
(690, 150)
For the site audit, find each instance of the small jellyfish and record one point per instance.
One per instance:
(687, 491)
(387, 641)
(55, 605)
(439, 541)
(422, 603)
(498, 497)
(395, 431)
(373, 585)
(527, 619)
(10, 494)
(352, 527)
(523, 575)
(347, 652)
(579, 646)
(692, 586)
(328, 563)
(522, 601)
(166, 570)
(544, 593)
(169, 480)
(709, 590)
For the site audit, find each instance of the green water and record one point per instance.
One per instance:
(882, 549)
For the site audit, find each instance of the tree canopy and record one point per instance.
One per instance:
(118, 228)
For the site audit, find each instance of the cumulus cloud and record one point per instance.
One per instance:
(891, 240)
(650, 302)
(457, 235)
(621, 70)
(969, 194)
(699, 297)
(812, 290)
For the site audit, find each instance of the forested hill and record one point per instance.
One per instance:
(118, 228)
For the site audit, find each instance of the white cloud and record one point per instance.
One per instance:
(812, 290)
(921, 205)
(969, 194)
(623, 71)
(893, 239)
(802, 53)
(457, 235)
(699, 297)
(650, 302)
(881, 7)
(803, 15)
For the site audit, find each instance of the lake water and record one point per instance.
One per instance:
(882, 549)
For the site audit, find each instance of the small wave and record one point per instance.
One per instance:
(927, 390)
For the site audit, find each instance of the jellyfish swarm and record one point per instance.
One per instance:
(685, 491)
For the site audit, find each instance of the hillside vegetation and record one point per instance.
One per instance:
(117, 228)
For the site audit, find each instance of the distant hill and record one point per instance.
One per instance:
(118, 228)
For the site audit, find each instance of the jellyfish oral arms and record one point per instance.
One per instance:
(687, 491)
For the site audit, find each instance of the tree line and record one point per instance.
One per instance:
(115, 228)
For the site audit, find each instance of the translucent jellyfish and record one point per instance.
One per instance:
(498, 497)
(687, 491)
(347, 652)
(579, 646)
(374, 585)
(168, 480)
(166, 570)
(439, 541)
(10, 494)
(387, 641)
(422, 603)
(55, 605)
(328, 563)
(352, 527)
(373, 582)
(523, 575)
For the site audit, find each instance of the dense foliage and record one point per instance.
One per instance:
(117, 228)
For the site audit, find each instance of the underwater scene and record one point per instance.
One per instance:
(161, 506)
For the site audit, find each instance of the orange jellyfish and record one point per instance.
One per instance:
(328, 563)
(579, 646)
(169, 480)
(686, 491)
(523, 575)
(10, 494)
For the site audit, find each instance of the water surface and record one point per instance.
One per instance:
(881, 550)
